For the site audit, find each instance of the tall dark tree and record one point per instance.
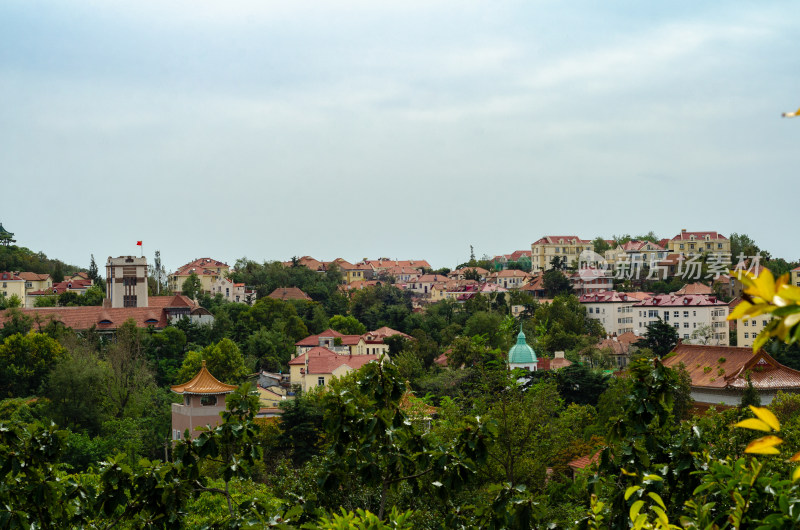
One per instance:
(660, 337)
(555, 283)
(192, 286)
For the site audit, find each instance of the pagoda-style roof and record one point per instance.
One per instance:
(204, 383)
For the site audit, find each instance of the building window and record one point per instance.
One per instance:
(321, 381)
(129, 300)
(746, 322)
(208, 401)
(685, 314)
(746, 335)
(686, 324)
(685, 335)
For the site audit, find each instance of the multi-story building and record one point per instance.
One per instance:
(317, 366)
(612, 309)
(747, 330)
(645, 252)
(35, 281)
(207, 269)
(520, 257)
(795, 276)
(510, 278)
(12, 285)
(688, 314)
(545, 249)
(692, 243)
(126, 281)
(233, 292)
(591, 280)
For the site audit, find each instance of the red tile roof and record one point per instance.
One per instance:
(567, 240)
(289, 293)
(603, 297)
(765, 372)
(324, 361)
(698, 236)
(177, 300)
(382, 333)
(33, 276)
(673, 300)
(313, 340)
(81, 318)
(201, 267)
(694, 288)
(585, 461)
(9, 276)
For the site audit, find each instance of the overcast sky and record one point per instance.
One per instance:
(406, 129)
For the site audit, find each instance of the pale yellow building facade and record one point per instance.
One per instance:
(545, 249)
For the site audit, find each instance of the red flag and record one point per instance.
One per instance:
(138, 243)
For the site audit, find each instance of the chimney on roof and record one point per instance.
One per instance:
(683, 230)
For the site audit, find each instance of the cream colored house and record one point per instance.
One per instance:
(645, 252)
(318, 366)
(691, 243)
(795, 276)
(612, 309)
(748, 330)
(510, 278)
(207, 269)
(686, 313)
(12, 285)
(545, 249)
(232, 292)
(35, 281)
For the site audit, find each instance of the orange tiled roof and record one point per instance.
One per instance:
(33, 276)
(80, 318)
(765, 372)
(585, 461)
(201, 267)
(203, 383)
(698, 236)
(288, 293)
(694, 288)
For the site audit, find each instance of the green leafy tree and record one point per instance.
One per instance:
(25, 361)
(192, 286)
(660, 337)
(600, 245)
(224, 360)
(556, 283)
(347, 324)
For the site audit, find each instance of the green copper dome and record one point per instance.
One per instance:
(521, 353)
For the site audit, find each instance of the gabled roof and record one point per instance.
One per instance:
(313, 340)
(635, 245)
(201, 267)
(602, 297)
(706, 370)
(204, 384)
(674, 300)
(9, 276)
(84, 317)
(382, 333)
(177, 300)
(694, 288)
(288, 293)
(324, 361)
(585, 461)
(557, 240)
(33, 276)
(698, 236)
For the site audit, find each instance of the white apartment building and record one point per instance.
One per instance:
(687, 313)
(614, 310)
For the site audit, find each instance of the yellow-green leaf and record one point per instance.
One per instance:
(652, 477)
(764, 445)
(739, 311)
(767, 417)
(635, 509)
(630, 491)
(753, 423)
(662, 516)
(796, 474)
(656, 497)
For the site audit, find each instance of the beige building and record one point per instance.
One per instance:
(747, 330)
(687, 314)
(691, 243)
(12, 285)
(510, 278)
(207, 269)
(126, 281)
(545, 249)
(612, 309)
(317, 366)
(232, 292)
(35, 281)
(795, 276)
